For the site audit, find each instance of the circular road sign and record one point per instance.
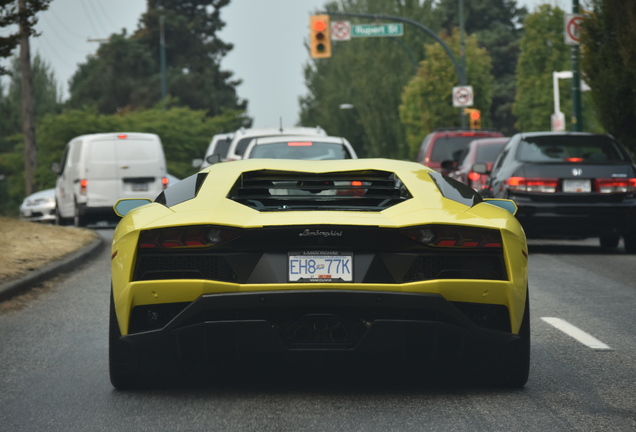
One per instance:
(463, 96)
(572, 28)
(341, 30)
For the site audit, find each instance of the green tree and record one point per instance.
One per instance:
(47, 101)
(543, 51)
(126, 73)
(497, 24)
(426, 100)
(609, 64)
(369, 74)
(10, 16)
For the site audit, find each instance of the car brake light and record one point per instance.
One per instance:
(83, 184)
(614, 185)
(473, 176)
(186, 237)
(454, 236)
(574, 159)
(122, 136)
(164, 182)
(522, 184)
(357, 189)
(300, 144)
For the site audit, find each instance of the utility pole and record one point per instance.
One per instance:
(462, 49)
(28, 110)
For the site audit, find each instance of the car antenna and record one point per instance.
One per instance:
(281, 124)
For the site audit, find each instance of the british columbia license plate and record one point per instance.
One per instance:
(577, 186)
(320, 266)
(140, 187)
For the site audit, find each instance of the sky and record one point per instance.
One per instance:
(269, 39)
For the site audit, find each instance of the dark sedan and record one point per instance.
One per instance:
(568, 185)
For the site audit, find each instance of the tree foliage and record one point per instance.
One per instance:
(427, 100)
(126, 72)
(543, 51)
(11, 16)
(369, 74)
(497, 24)
(609, 63)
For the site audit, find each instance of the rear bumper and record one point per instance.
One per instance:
(322, 326)
(584, 220)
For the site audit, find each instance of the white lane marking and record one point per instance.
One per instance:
(578, 334)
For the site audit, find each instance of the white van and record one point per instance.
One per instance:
(99, 169)
(219, 146)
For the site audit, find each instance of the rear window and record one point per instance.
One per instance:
(488, 152)
(571, 149)
(300, 150)
(449, 147)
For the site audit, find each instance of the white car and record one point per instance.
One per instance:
(300, 147)
(39, 207)
(243, 137)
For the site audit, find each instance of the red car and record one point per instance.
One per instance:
(446, 146)
(483, 150)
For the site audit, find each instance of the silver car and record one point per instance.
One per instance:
(39, 207)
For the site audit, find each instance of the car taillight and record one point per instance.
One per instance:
(454, 236)
(357, 189)
(300, 144)
(616, 185)
(83, 184)
(186, 237)
(473, 176)
(522, 184)
(164, 182)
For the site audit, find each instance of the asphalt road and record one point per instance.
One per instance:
(54, 368)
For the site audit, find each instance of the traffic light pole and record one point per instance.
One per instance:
(577, 120)
(459, 68)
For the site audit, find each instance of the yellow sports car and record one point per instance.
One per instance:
(345, 261)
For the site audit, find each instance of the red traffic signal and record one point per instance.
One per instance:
(474, 116)
(319, 36)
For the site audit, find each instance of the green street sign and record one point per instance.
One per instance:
(375, 30)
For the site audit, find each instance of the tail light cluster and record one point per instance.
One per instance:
(186, 237)
(164, 182)
(454, 236)
(614, 185)
(550, 185)
(357, 189)
(83, 183)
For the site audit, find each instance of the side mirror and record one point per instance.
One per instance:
(126, 205)
(213, 158)
(55, 167)
(505, 204)
(481, 168)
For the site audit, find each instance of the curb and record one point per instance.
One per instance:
(33, 278)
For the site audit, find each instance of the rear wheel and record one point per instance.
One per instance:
(610, 241)
(630, 242)
(511, 366)
(79, 219)
(122, 361)
(59, 220)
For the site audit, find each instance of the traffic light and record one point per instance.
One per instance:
(474, 117)
(319, 36)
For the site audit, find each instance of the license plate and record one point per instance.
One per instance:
(577, 186)
(320, 267)
(140, 187)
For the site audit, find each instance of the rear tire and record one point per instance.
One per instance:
(79, 219)
(629, 240)
(610, 241)
(123, 363)
(511, 365)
